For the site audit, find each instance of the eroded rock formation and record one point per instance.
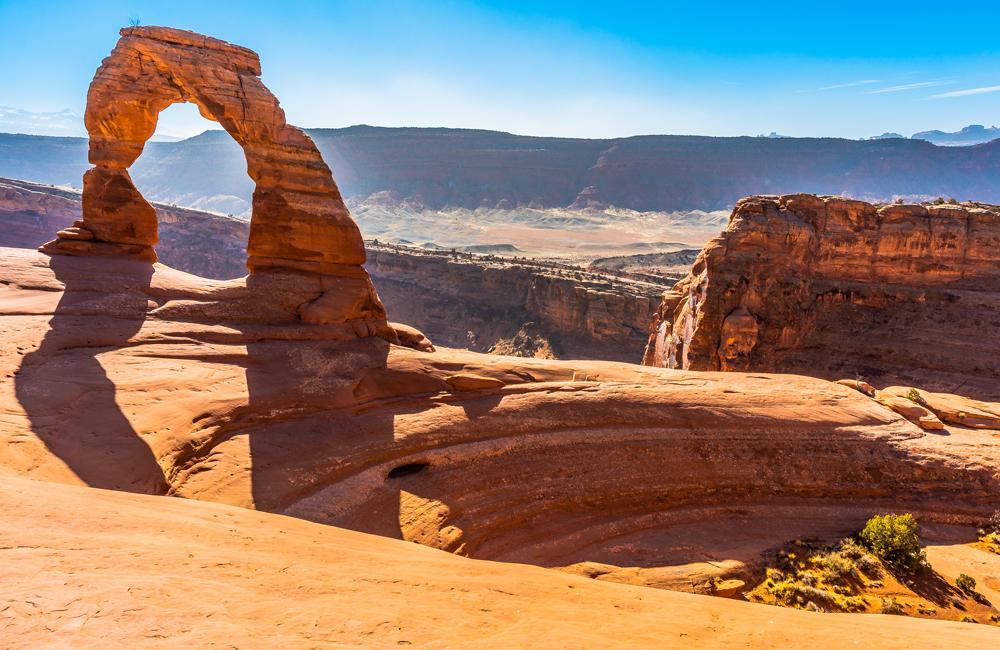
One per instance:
(478, 302)
(299, 220)
(830, 287)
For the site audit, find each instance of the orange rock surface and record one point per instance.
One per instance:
(299, 221)
(201, 389)
(830, 287)
(87, 567)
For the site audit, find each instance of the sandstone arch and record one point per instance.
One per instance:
(299, 220)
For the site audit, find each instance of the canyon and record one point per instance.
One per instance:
(833, 288)
(306, 472)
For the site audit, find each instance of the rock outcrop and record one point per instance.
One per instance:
(478, 302)
(829, 287)
(299, 221)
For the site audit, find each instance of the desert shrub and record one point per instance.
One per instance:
(894, 538)
(851, 549)
(914, 396)
(836, 568)
(992, 542)
(813, 607)
(966, 583)
(891, 606)
(869, 566)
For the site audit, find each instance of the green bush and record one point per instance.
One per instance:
(914, 396)
(894, 538)
(966, 583)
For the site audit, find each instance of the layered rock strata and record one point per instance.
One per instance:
(481, 302)
(299, 221)
(528, 460)
(829, 287)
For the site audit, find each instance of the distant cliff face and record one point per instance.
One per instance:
(439, 168)
(478, 303)
(836, 288)
(470, 301)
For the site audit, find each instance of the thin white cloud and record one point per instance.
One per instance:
(913, 86)
(64, 122)
(967, 92)
(852, 84)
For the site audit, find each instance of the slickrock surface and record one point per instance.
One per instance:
(91, 568)
(299, 220)
(198, 388)
(824, 286)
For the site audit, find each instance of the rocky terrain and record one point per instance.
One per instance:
(674, 264)
(475, 302)
(460, 300)
(139, 571)
(828, 287)
(121, 373)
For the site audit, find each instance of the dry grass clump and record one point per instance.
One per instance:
(828, 579)
(989, 534)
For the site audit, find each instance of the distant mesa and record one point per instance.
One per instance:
(888, 136)
(972, 134)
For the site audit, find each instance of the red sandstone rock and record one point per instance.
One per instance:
(858, 385)
(469, 381)
(299, 221)
(955, 409)
(910, 410)
(411, 337)
(830, 287)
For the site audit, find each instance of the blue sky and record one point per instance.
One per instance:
(587, 69)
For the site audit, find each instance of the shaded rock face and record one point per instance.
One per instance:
(831, 287)
(299, 220)
(486, 304)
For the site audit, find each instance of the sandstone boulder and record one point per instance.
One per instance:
(910, 410)
(955, 409)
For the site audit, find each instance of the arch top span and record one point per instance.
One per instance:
(299, 221)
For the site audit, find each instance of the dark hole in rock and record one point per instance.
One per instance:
(406, 470)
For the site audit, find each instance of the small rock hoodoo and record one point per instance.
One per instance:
(299, 221)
